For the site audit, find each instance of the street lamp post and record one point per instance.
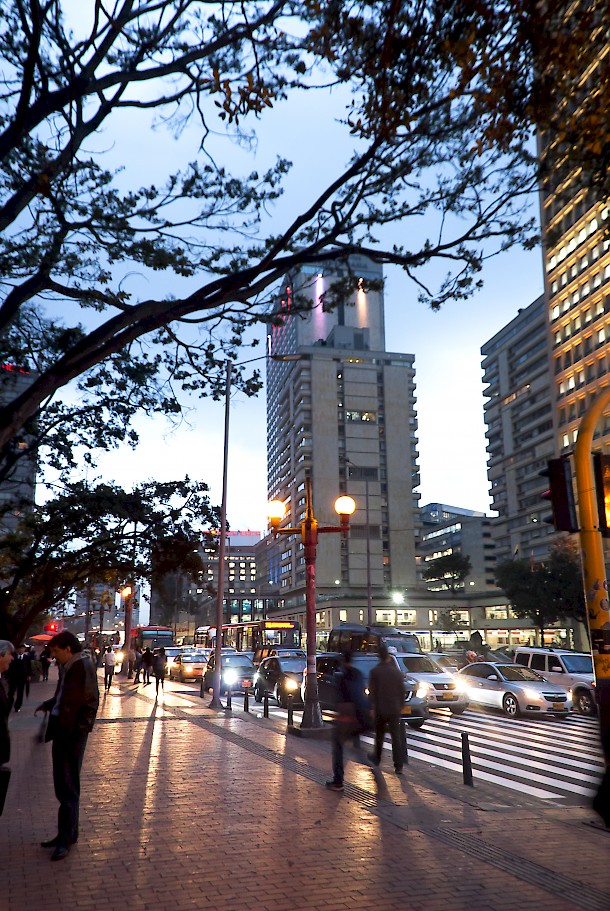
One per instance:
(309, 531)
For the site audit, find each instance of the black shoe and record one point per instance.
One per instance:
(51, 843)
(333, 785)
(60, 852)
(398, 770)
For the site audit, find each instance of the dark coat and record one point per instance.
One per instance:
(387, 689)
(79, 699)
(5, 741)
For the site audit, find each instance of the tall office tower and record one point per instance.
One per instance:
(343, 411)
(518, 414)
(575, 226)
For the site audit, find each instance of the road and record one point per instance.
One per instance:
(547, 758)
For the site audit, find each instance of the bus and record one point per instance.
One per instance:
(152, 636)
(253, 636)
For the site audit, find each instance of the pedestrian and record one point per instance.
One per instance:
(6, 658)
(19, 676)
(387, 691)
(139, 657)
(72, 709)
(109, 664)
(159, 668)
(147, 663)
(353, 718)
(131, 664)
(45, 661)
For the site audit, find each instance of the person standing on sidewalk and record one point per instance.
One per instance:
(353, 718)
(108, 663)
(19, 677)
(147, 663)
(159, 668)
(72, 714)
(6, 657)
(45, 661)
(387, 690)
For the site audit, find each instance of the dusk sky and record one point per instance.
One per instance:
(446, 344)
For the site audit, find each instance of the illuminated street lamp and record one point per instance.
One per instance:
(309, 531)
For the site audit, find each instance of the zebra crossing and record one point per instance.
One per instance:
(552, 759)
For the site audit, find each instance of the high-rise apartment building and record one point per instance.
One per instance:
(519, 419)
(451, 530)
(343, 411)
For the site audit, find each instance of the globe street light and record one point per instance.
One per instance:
(309, 531)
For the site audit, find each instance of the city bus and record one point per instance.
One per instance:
(152, 636)
(253, 636)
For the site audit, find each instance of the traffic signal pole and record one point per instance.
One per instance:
(593, 565)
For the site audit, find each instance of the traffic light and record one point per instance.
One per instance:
(601, 470)
(560, 493)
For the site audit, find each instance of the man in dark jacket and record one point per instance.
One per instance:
(6, 657)
(19, 676)
(387, 689)
(353, 717)
(72, 713)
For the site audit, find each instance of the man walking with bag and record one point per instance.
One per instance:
(387, 689)
(72, 713)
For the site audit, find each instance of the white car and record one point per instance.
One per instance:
(515, 690)
(443, 690)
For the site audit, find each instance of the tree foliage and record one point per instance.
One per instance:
(443, 98)
(450, 570)
(546, 592)
(88, 533)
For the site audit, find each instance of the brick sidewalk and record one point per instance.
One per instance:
(184, 808)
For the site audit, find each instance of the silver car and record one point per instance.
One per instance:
(514, 689)
(443, 689)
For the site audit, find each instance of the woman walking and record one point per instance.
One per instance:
(159, 668)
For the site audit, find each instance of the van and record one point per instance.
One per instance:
(354, 637)
(572, 670)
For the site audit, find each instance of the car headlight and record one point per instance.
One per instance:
(291, 685)
(188, 667)
(119, 656)
(230, 677)
(422, 690)
(569, 694)
(531, 694)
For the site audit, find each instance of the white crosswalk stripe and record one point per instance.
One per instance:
(548, 758)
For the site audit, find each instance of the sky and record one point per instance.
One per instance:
(446, 344)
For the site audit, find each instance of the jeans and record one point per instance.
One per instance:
(108, 672)
(339, 741)
(394, 725)
(68, 753)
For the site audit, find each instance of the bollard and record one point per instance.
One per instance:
(246, 700)
(466, 763)
(290, 700)
(265, 704)
(202, 689)
(229, 704)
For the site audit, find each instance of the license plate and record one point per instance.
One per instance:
(406, 710)
(558, 706)
(447, 696)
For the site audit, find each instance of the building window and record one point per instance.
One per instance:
(342, 616)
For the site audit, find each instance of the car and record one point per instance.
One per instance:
(266, 651)
(572, 670)
(188, 666)
(354, 637)
(514, 689)
(280, 675)
(237, 672)
(329, 666)
(449, 663)
(444, 689)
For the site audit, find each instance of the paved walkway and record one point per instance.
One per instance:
(185, 808)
